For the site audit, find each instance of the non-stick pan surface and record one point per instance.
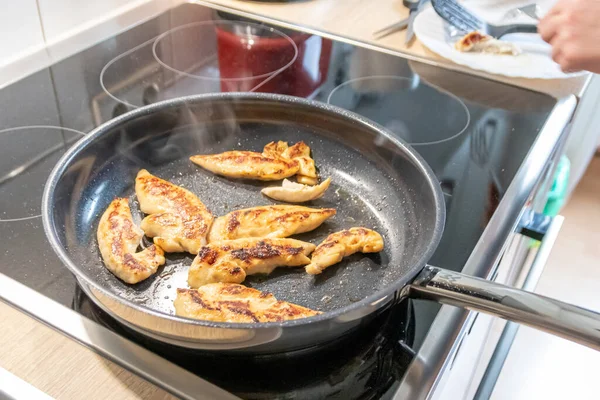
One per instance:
(377, 182)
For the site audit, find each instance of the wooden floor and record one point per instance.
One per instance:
(540, 366)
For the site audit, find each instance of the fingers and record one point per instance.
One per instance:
(556, 8)
(554, 29)
(557, 54)
(565, 56)
(549, 27)
(547, 30)
(572, 30)
(554, 20)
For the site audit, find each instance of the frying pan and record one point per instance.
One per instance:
(379, 182)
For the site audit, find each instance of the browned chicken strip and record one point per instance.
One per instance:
(178, 220)
(275, 149)
(229, 302)
(268, 221)
(230, 261)
(293, 192)
(307, 173)
(119, 238)
(247, 164)
(341, 244)
(477, 42)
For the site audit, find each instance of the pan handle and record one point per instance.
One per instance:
(556, 317)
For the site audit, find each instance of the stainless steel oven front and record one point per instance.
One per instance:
(467, 367)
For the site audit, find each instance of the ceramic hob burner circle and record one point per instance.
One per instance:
(125, 77)
(198, 58)
(417, 113)
(241, 55)
(29, 152)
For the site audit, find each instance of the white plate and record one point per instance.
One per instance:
(534, 62)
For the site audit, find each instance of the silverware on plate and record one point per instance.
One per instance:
(410, 33)
(414, 6)
(388, 30)
(463, 19)
(531, 10)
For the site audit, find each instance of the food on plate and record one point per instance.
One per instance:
(277, 221)
(248, 164)
(231, 260)
(119, 238)
(307, 172)
(229, 302)
(293, 192)
(477, 42)
(341, 244)
(178, 220)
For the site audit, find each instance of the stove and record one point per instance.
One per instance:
(474, 133)
(360, 365)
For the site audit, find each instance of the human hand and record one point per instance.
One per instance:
(573, 30)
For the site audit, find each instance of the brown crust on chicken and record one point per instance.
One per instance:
(268, 221)
(307, 172)
(229, 302)
(230, 261)
(479, 42)
(247, 164)
(341, 244)
(467, 42)
(178, 220)
(118, 239)
(274, 149)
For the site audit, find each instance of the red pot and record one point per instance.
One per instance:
(260, 59)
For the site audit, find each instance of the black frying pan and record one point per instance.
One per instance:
(378, 182)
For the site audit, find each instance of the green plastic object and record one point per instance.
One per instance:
(558, 192)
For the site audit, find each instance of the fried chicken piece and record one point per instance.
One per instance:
(275, 149)
(306, 180)
(293, 192)
(307, 172)
(341, 244)
(268, 221)
(231, 260)
(119, 238)
(229, 302)
(477, 42)
(178, 220)
(247, 164)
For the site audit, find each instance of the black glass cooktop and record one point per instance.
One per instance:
(474, 133)
(362, 365)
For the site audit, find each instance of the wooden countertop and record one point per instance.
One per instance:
(356, 20)
(61, 367)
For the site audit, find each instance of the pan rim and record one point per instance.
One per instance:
(88, 139)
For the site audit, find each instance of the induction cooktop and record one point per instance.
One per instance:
(474, 133)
